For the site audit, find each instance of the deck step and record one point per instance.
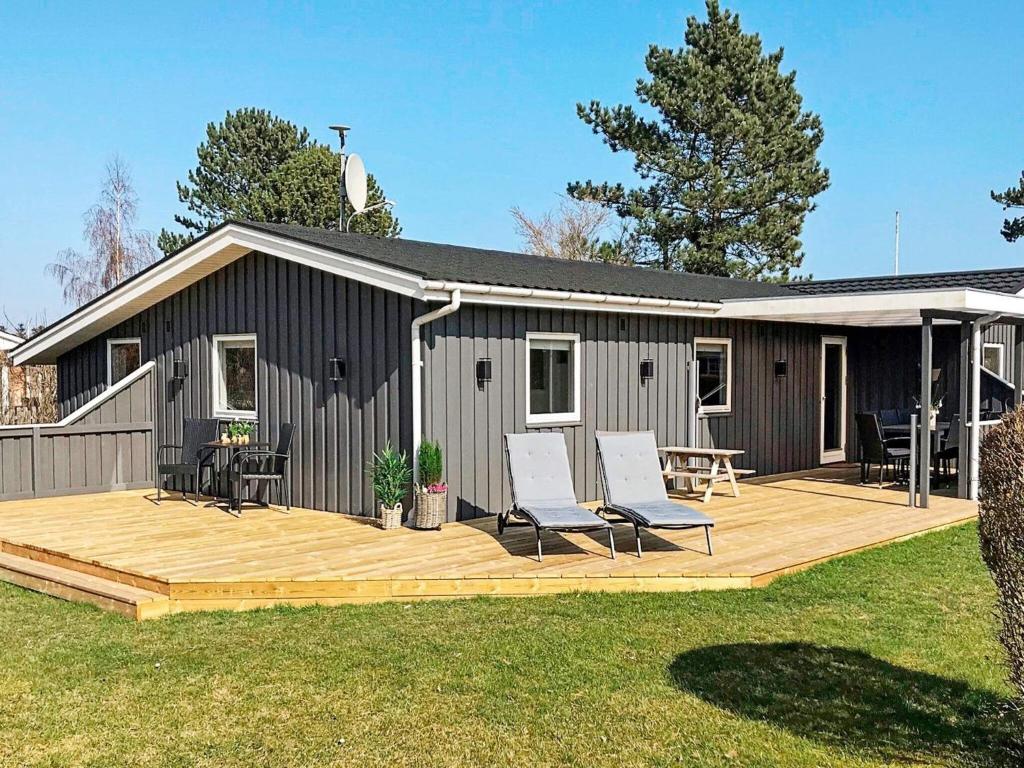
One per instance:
(79, 587)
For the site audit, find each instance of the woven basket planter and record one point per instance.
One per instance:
(390, 518)
(431, 509)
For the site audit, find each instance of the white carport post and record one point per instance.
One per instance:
(925, 444)
(975, 433)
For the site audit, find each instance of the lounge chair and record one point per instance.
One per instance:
(542, 490)
(634, 486)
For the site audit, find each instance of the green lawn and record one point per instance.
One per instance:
(880, 658)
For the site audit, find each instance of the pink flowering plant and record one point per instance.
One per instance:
(431, 461)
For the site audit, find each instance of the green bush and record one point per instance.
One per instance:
(390, 475)
(431, 461)
(1002, 532)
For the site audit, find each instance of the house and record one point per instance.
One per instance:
(360, 340)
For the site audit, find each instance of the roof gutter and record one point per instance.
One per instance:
(455, 301)
(480, 293)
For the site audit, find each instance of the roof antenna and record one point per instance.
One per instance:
(352, 185)
(342, 130)
(897, 269)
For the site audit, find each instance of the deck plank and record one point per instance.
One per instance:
(205, 559)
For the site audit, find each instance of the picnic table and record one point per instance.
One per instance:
(676, 466)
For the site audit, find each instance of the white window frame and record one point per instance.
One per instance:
(727, 343)
(571, 417)
(218, 383)
(1001, 373)
(110, 361)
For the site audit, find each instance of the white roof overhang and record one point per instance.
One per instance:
(873, 309)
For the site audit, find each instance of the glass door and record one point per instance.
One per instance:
(833, 399)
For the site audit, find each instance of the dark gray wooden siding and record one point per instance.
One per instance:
(108, 448)
(885, 368)
(774, 420)
(301, 317)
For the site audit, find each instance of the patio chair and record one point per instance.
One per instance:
(875, 449)
(950, 449)
(270, 467)
(634, 487)
(542, 490)
(193, 455)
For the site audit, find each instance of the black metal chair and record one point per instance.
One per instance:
(270, 467)
(875, 449)
(194, 455)
(950, 449)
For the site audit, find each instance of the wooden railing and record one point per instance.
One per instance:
(106, 445)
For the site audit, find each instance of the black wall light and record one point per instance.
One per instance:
(781, 369)
(646, 370)
(180, 370)
(483, 370)
(337, 369)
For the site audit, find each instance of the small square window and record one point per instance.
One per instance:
(992, 358)
(553, 377)
(714, 374)
(123, 357)
(234, 376)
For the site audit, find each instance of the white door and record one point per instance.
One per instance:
(833, 399)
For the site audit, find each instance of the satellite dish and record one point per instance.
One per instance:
(355, 183)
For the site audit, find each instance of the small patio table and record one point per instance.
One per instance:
(675, 467)
(215, 482)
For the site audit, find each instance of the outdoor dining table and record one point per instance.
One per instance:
(938, 435)
(219, 492)
(676, 458)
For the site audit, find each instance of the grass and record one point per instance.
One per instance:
(887, 657)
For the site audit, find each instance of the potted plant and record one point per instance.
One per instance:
(432, 491)
(240, 432)
(390, 475)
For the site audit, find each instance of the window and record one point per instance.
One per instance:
(992, 358)
(553, 377)
(234, 376)
(714, 374)
(123, 357)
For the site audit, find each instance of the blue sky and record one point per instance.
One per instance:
(463, 110)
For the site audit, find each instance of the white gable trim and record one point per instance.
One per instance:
(191, 264)
(232, 241)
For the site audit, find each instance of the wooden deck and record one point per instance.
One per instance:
(176, 557)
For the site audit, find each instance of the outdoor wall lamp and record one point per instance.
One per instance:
(180, 370)
(337, 369)
(483, 370)
(646, 370)
(781, 369)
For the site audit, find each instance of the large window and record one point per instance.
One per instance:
(553, 377)
(234, 376)
(123, 357)
(714, 374)
(992, 358)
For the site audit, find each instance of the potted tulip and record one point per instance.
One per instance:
(390, 475)
(432, 491)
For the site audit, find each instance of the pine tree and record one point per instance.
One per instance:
(1013, 229)
(727, 159)
(257, 166)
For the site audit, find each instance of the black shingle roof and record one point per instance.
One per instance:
(1007, 280)
(434, 261)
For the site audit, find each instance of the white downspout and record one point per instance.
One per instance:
(417, 374)
(975, 432)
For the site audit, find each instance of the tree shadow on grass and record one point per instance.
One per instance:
(854, 701)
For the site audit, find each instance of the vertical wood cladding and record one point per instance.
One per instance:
(301, 317)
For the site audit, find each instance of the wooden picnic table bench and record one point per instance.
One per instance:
(676, 467)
